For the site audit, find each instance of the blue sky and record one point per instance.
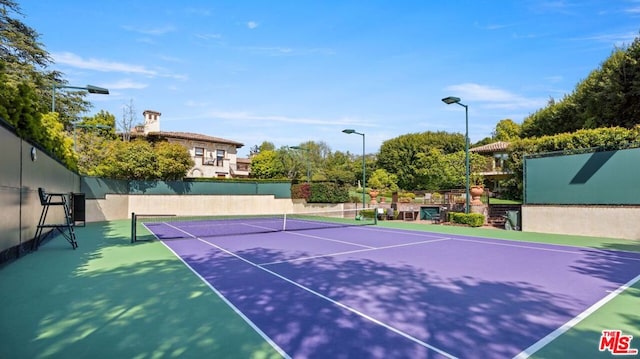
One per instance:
(290, 71)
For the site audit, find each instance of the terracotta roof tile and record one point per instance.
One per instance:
(491, 147)
(196, 137)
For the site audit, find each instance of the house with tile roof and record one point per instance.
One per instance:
(496, 169)
(498, 153)
(212, 156)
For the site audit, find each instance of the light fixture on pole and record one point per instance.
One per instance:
(351, 131)
(88, 88)
(308, 160)
(449, 100)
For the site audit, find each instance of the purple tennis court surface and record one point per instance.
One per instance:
(371, 292)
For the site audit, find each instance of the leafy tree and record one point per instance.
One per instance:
(609, 96)
(174, 161)
(438, 171)
(400, 155)
(506, 130)
(557, 117)
(26, 85)
(337, 168)
(55, 139)
(141, 160)
(267, 146)
(382, 180)
(17, 106)
(91, 135)
(265, 164)
(133, 160)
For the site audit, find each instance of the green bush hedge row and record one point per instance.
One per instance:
(320, 192)
(471, 219)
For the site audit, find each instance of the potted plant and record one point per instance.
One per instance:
(373, 193)
(381, 182)
(476, 189)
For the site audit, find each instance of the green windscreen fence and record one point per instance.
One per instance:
(602, 178)
(95, 187)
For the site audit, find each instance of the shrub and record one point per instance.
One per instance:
(406, 197)
(327, 192)
(471, 219)
(302, 190)
(368, 213)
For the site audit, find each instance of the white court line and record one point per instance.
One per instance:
(341, 305)
(354, 251)
(407, 232)
(416, 232)
(264, 336)
(328, 239)
(573, 322)
(538, 248)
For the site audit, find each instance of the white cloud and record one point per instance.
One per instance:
(287, 51)
(151, 31)
(74, 60)
(494, 97)
(633, 10)
(619, 39)
(247, 116)
(197, 11)
(209, 36)
(126, 84)
(252, 25)
(270, 51)
(554, 79)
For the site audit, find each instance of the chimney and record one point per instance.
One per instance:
(151, 121)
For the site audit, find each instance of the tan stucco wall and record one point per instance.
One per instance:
(111, 208)
(115, 207)
(595, 221)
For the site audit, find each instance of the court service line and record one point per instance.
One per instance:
(353, 251)
(577, 319)
(402, 231)
(339, 304)
(329, 239)
(577, 251)
(264, 335)
(470, 237)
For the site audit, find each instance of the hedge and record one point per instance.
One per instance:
(471, 219)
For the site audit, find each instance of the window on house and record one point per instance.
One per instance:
(199, 152)
(220, 158)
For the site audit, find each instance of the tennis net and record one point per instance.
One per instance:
(170, 226)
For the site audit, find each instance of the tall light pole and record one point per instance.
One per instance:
(350, 131)
(88, 88)
(449, 100)
(308, 161)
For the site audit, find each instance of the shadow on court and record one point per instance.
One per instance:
(111, 299)
(467, 317)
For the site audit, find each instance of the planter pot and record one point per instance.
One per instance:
(476, 192)
(374, 195)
